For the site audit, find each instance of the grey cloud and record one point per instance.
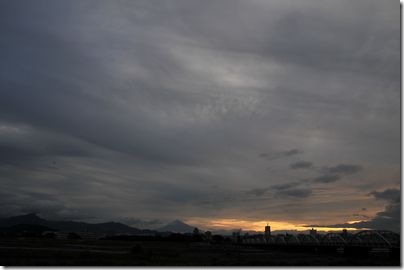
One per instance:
(360, 215)
(32, 202)
(25, 145)
(285, 186)
(280, 154)
(335, 173)
(287, 190)
(258, 191)
(301, 165)
(327, 178)
(287, 28)
(391, 195)
(386, 220)
(292, 152)
(389, 219)
(295, 192)
(344, 169)
(281, 193)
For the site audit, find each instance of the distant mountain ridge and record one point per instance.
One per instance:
(73, 226)
(177, 226)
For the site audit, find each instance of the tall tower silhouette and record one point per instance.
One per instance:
(267, 231)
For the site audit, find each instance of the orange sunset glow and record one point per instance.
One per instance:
(228, 224)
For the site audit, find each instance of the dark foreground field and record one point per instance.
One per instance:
(39, 252)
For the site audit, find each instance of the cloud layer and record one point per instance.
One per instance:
(257, 110)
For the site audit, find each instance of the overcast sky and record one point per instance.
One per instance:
(224, 111)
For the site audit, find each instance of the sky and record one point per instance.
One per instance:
(224, 114)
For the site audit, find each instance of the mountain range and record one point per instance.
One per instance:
(110, 228)
(73, 226)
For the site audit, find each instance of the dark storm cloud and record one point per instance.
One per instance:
(389, 219)
(301, 165)
(144, 106)
(391, 195)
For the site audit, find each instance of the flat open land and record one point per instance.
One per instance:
(39, 252)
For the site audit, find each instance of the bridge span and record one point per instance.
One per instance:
(366, 240)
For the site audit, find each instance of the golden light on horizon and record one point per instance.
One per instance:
(231, 223)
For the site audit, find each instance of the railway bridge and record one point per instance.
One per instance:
(366, 240)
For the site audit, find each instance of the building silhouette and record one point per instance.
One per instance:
(267, 232)
(313, 232)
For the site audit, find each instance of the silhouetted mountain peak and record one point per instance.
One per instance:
(28, 216)
(177, 226)
(177, 221)
(31, 218)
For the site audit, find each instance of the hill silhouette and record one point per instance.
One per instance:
(73, 226)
